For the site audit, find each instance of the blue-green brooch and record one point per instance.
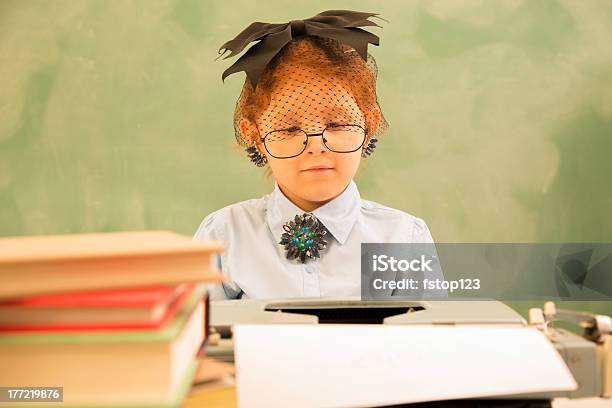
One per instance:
(303, 237)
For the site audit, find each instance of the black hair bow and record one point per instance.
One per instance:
(340, 25)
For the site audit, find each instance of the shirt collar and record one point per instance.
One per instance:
(338, 215)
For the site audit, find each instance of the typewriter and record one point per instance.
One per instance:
(588, 354)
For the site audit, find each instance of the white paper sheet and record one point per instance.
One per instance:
(367, 365)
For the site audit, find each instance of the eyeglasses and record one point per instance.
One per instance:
(287, 143)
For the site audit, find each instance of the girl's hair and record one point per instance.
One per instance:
(330, 59)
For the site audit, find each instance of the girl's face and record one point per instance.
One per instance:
(307, 101)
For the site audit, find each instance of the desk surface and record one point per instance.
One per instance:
(211, 398)
(213, 385)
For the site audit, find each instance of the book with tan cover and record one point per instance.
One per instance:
(64, 263)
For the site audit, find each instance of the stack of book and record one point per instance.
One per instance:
(115, 319)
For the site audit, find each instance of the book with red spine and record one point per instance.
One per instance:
(116, 309)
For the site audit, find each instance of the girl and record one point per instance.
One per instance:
(308, 110)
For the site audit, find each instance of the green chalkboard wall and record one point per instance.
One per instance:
(113, 115)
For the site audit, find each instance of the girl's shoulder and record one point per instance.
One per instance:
(395, 218)
(238, 213)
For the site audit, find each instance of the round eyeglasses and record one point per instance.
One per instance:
(287, 143)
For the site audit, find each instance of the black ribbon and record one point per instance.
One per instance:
(341, 25)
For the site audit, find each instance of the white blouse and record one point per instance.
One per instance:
(255, 265)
